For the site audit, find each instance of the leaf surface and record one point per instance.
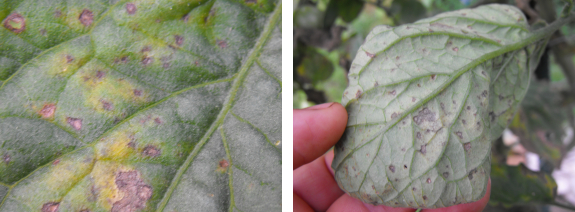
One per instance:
(425, 101)
(141, 106)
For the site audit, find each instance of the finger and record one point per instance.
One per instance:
(316, 130)
(467, 207)
(348, 203)
(300, 205)
(315, 185)
(328, 159)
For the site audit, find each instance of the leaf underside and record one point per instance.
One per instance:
(425, 100)
(140, 105)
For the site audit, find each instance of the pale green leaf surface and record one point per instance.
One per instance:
(425, 101)
(156, 106)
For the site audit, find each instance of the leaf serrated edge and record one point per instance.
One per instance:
(262, 40)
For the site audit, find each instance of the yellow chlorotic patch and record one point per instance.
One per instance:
(67, 172)
(116, 146)
(106, 93)
(64, 65)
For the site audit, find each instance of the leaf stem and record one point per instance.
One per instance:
(418, 210)
(561, 205)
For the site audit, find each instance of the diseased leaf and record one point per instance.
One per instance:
(141, 106)
(425, 101)
(511, 185)
(540, 121)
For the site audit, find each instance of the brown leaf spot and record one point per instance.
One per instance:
(47, 111)
(463, 121)
(158, 120)
(151, 151)
(147, 60)
(57, 13)
(223, 164)
(455, 49)
(424, 197)
(137, 92)
(76, 123)
(131, 8)
(484, 93)
(428, 180)
(134, 191)
(413, 189)
(358, 94)
(6, 158)
(69, 58)
(375, 84)
(467, 146)
(418, 135)
(423, 149)
(50, 207)
(433, 76)
(459, 134)
(412, 99)
(100, 74)
(392, 168)
(468, 108)
(393, 115)
(470, 176)
(370, 54)
(397, 58)
(15, 23)
(107, 105)
(86, 17)
(56, 162)
(222, 44)
(405, 166)
(418, 85)
(179, 40)
(445, 174)
(392, 92)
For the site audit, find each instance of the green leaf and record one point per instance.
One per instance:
(425, 101)
(512, 185)
(141, 106)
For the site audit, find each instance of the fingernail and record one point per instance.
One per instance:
(321, 106)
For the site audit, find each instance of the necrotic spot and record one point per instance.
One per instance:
(76, 123)
(135, 192)
(15, 23)
(86, 17)
(392, 168)
(131, 8)
(50, 207)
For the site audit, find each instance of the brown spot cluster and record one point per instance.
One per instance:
(424, 115)
(135, 192)
(15, 19)
(86, 17)
(50, 207)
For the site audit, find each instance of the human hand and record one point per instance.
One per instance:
(316, 130)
